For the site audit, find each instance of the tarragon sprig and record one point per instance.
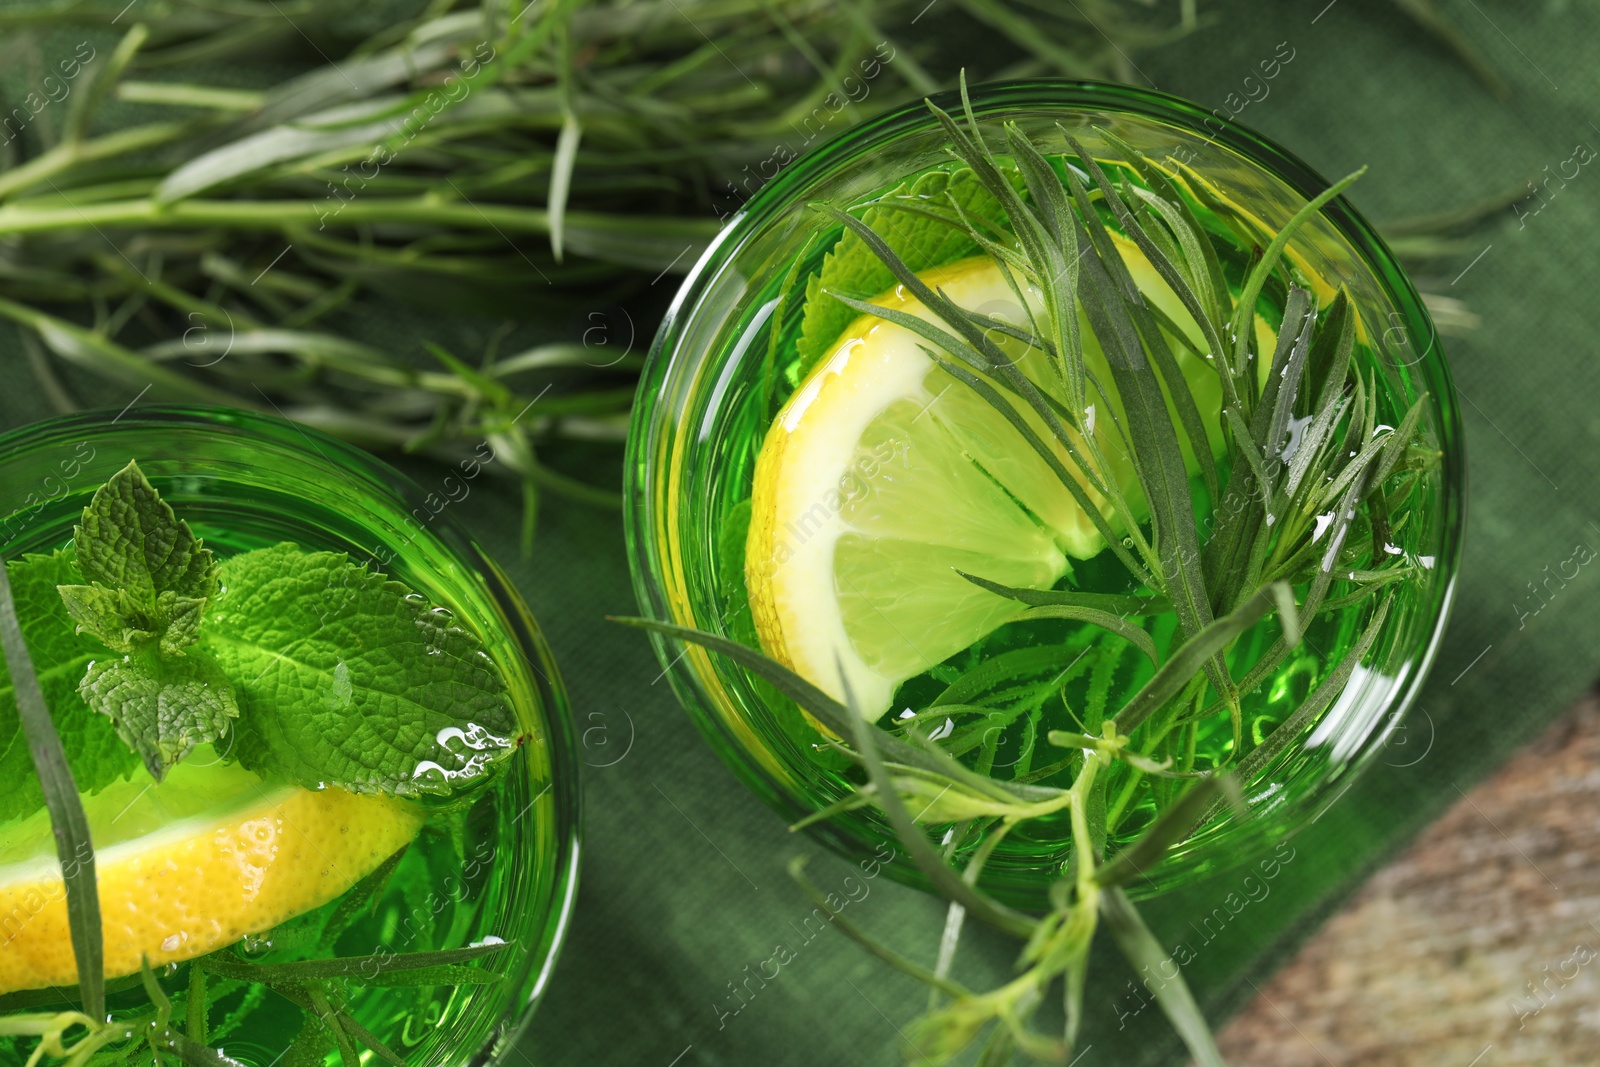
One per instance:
(915, 785)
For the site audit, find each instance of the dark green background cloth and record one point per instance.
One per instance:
(684, 884)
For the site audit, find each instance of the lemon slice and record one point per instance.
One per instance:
(883, 476)
(189, 866)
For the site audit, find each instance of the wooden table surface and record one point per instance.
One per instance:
(1479, 946)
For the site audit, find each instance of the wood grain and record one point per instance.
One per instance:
(1478, 947)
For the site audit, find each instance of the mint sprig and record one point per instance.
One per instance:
(305, 666)
(149, 580)
(315, 670)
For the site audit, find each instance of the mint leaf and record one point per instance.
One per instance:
(109, 615)
(347, 678)
(149, 580)
(60, 655)
(183, 615)
(161, 706)
(129, 539)
(149, 575)
(855, 270)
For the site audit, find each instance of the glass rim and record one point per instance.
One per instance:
(643, 523)
(561, 742)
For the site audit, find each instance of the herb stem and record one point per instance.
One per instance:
(866, 941)
(71, 153)
(74, 846)
(1114, 813)
(96, 352)
(933, 867)
(149, 213)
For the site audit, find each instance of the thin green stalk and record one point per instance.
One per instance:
(74, 846)
(871, 944)
(175, 94)
(101, 355)
(1147, 955)
(147, 213)
(101, 78)
(1245, 309)
(938, 873)
(75, 153)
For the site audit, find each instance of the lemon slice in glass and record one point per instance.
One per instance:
(189, 866)
(883, 476)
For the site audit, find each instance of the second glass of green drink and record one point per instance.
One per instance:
(352, 831)
(997, 551)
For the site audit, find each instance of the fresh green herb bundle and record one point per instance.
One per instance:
(222, 244)
(1309, 492)
(220, 236)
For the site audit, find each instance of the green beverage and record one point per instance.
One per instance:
(1019, 681)
(348, 830)
(824, 479)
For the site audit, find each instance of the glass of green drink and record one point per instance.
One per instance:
(322, 749)
(963, 547)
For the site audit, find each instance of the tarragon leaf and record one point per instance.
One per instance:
(347, 678)
(60, 655)
(1145, 952)
(69, 825)
(162, 706)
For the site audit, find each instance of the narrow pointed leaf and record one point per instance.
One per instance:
(933, 867)
(1147, 956)
(1134, 635)
(1245, 310)
(1177, 385)
(1331, 352)
(74, 847)
(1190, 657)
(1173, 826)
(566, 160)
(1110, 602)
(1285, 374)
